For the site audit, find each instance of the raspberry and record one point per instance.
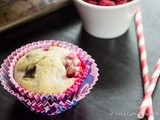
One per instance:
(91, 2)
(106, 3)
(118, 2)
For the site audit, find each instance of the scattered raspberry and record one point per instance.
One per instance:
(106, 3)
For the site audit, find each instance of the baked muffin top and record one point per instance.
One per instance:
(50, 71)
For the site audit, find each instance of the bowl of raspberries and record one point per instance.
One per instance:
(106, 19)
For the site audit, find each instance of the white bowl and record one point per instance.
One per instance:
(106, 21)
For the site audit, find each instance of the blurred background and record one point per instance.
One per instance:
(16, 12)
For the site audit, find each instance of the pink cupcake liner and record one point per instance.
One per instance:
(49, 104)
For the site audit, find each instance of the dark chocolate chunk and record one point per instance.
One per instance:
(30, 72)
(28, 56)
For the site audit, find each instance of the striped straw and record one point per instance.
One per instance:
(149, 91)
(143, 58)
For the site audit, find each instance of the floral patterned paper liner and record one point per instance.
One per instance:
(43, 105)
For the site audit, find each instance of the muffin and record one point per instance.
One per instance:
(49, 77)
(50, 71)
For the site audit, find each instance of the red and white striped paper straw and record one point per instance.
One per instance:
(143, 58)
(150, 90)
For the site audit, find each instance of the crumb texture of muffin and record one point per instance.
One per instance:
(50, 71)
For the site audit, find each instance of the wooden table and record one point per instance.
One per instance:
(118, 92)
